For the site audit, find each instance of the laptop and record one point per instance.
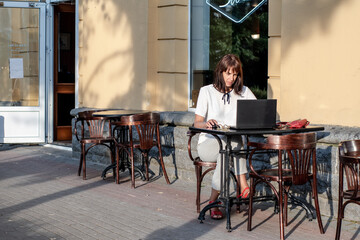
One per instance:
(256, 114)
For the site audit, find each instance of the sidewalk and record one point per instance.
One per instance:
(41, 197)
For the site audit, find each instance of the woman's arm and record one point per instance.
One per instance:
(200, 122)
(202, 109)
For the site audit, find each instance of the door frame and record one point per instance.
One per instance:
(50, 64)
(41, 109)
(46, 124)
(63, 88)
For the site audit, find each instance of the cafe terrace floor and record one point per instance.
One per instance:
(41, 197)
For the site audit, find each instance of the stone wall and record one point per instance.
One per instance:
(174, 127)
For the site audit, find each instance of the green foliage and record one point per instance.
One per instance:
(220, 38)
(259, 92)
(229, 37)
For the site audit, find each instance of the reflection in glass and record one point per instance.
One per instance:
(66, 102)
(213, 35)
(19, 44)
(66, 49)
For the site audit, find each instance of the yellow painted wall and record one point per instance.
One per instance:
(319, 66)
(113, 53)
(133, 54)
(168, 54)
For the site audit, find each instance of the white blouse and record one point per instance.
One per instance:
(212, 104)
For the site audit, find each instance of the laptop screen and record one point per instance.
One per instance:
(256, 114)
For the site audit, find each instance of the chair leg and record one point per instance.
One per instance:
(146, 160)
(117, 164)
(285, 210)
(340, 203)
(112, 152)
(281, 212)
(339, 220)
(162, 162)
(80, 163)
(250, 209)
(317, 207)
(132, 168)
(237, 194)
(198, 172)
(318, 215)
(83, 161)
(286, 198)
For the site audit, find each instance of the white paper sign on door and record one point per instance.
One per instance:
(16, 68)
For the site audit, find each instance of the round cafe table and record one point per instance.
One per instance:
(116, 114)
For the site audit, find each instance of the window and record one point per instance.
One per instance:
(213, 35)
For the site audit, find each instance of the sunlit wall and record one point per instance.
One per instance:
(133, 54)
(112, 53)
(314, 63)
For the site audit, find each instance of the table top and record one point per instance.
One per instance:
(230, 132)
(118, 113)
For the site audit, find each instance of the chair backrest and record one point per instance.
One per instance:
(350, 148)
(301, 153)
(96, 125)
(147, 127)
(85, 114)
(349, 156)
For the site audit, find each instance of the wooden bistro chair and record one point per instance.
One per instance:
(148, 136)
(349, 156)
(300, 152)
(94, 136)
(208, 167)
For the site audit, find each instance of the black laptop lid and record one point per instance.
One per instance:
(256, 114)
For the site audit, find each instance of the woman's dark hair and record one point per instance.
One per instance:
(229, 61)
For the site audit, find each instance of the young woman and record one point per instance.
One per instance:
(216, 105)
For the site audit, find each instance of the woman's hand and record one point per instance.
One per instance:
(200, 122)
(212, 123)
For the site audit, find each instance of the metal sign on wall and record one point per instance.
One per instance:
(236, 10)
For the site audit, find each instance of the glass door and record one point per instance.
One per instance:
(22, 72)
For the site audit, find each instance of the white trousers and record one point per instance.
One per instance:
(208, 151)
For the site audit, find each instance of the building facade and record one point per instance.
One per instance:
(312, 57)
(144, 55)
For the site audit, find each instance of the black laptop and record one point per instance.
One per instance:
(256, 114)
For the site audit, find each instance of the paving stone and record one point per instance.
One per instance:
(43, 198)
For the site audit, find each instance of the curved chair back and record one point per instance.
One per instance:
(349, 157)
(95, 125)
(147, 128)
(292, 141)
(300, 151)
(95, 135)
